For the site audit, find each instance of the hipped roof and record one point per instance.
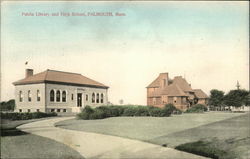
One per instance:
(173, 90)
(53, 76)
(178, 87)
(200, 94)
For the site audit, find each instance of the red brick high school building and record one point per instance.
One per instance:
(178, 92)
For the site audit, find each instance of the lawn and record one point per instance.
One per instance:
(228, 132)
(145, 128)
(18, 144)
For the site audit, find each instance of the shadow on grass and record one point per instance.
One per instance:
(12, 132)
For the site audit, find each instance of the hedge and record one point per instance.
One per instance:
(198, 108)
(127, 110)
(26, 116)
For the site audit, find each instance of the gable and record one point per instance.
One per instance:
(200, 94)
(182, 83)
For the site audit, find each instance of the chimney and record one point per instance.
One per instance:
(28, 73)
(163, 79)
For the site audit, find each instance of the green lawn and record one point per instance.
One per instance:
(18, 144)
(226, 131)
(145, 128)
(32, 146)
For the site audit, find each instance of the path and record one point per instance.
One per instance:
(92, 145)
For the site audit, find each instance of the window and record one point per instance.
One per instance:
(52, 95)
(52, 110)
(58, 110)
(87, 97)
(20, 110)
(175, 99)
(38, 95)
(58, 96)
(97, 98)
(28, 110)
(101, 98)
(72, 96)
(154, 100)
(93, 98)
(29, 96)
(64, 96)
(38, 110)
(64, 110)
(20, 97)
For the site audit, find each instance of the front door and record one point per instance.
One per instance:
(79, 99)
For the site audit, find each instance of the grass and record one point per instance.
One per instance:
(32, 146)
(225, 132)
(204, 148)
(19, 144)
(144, 128)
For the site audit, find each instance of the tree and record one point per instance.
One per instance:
(216, 97)
(9, 105)
(237, 98)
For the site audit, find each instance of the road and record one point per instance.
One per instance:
(93, 145)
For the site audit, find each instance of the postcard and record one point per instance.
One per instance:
(125, 79)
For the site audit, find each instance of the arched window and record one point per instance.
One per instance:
(102, 98)
(52, 95)
(93, 98)
(97, 98)
(20, 96)
(38, 94)
(29, 96)
(64, 96)
(58, 96)
(87, 97)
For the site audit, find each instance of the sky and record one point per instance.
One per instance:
(205, 42)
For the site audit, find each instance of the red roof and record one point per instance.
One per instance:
(53, 76)
(176, 87)
(173, 90)
(182, 83)
(200, 94)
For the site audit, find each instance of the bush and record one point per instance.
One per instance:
(170, 108)
(114, 111)
(97, 114)
(26, 116)
(7, 106)
(85, 113)
(198, 108)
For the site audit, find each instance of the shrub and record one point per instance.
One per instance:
(26, 116)
(97, 114)
(170, 108)
(129, 111)
(198, 108)
(114, 111)
(85, 113)
(142, 111)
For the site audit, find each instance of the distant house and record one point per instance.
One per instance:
(57, 91)
(178, 92)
